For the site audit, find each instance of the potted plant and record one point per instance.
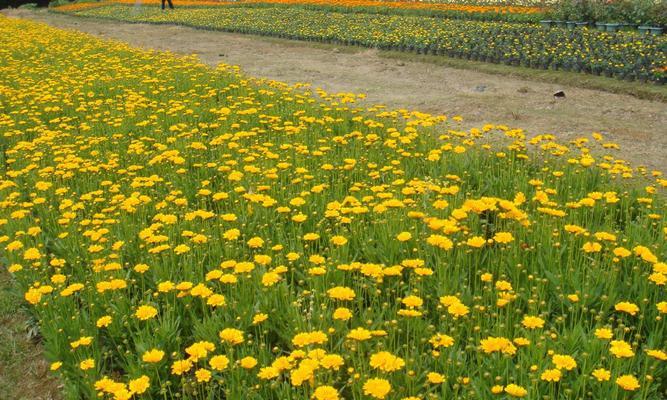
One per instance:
(559, 14)
(599, 14)
(656, 30)
(546, 23)
(644, 29)
(655, 19)
(580, 13)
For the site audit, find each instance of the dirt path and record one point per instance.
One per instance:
(639, 126)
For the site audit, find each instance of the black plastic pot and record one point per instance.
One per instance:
(582, 24)
(656, 30)
(546, 23)
(613, 27)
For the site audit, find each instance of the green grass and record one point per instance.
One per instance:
(23, 371)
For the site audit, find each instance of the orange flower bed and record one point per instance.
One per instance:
(407, 5)
(341, 3)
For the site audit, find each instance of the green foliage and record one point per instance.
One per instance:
(636, 12)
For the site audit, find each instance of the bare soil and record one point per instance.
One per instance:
(24, 371)
(639, 126)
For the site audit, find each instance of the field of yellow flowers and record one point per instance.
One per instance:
(181, 232)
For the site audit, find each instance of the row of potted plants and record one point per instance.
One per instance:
(649, 16)
(603, 26)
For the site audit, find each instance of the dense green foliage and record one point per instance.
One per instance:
(637, 12)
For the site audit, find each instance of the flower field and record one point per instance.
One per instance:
(195, 233)
(625, 55)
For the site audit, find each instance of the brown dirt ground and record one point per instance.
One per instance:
(639, 126)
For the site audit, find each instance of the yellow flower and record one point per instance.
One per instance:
(592, 247)
(359, 334)
(153, 356)
(248, 362)
(139, 385)
(341, 293)
(377, 388)
(231, 336)
(622, 252)
(412, 301)
(503, 237)
(531, 322)
(31, 254)
(255, 242)
(216, 300)
(268, 373)
(627, 307)
(441, 340)
(476, 242)
(386, 362)
(628, 382)
(515, 390)
(551, 375)
(458, 309)
(338, 241)
(325, 393)
(342, 313)
(621, 349)
(308, 338)
(497, 344)
(435, 378)
(33, 296)
(332, 361)
(103, 322)
(145, 312)
(564, 362)
(404, 236)
(311, 237)
(601, 374)
(181, 249)
(270, 278)
(180, 367)
(219, 362)
(203, 375)
(87, 364)
(259, 318)
(604, 333)
(231, 234)
(199, 350)
(657, 354)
